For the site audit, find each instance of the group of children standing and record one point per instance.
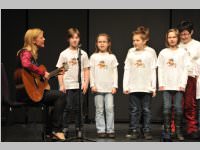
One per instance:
(178, 77)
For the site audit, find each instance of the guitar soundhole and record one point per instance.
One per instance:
(41, 79)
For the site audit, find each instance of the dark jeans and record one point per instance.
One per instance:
(139, 104)
(72, 105)
(57, 99)
(168, 96)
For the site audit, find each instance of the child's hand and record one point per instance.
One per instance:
(84, 88)
(62, 72)
(62, 89)
(94, 89)
(182, 89)
(154, 94)
(126, 92)
(114, 90)
(161, 88)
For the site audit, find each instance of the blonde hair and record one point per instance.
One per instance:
(167, 35)
(108, 39)
(30, 36)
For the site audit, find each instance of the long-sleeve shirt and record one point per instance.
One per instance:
(140, 71)
(103, 72)
(27, 62)
(193, 50)
(172, 69)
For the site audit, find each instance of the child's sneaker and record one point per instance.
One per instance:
(101, 135)
(147, 136)
(129, 134)
(135, 135)
(111, 135)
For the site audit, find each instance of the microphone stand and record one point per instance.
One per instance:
(80, 137)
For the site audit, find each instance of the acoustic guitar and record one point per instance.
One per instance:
(33, 85)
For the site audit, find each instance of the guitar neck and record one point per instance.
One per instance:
(54, 72)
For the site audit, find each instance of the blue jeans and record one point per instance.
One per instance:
(167, 103)
(101, 100)
(139, 103)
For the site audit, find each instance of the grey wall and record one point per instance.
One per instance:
(118, 23)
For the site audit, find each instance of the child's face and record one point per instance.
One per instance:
(186, 36)
(172, 39)
(102, 43)
(138, 42)
(74, 40)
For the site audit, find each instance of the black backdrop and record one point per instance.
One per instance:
(118, 23)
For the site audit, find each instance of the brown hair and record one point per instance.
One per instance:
(167, 35)
(143, 31)
(109, 41)
(71, 32)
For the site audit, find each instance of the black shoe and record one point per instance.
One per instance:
(167, 136)
(66, 132)
(193, 135)
(148, 136)
(199, 134)
(111, 135)
(173, 135)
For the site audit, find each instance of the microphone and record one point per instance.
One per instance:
(79, 51)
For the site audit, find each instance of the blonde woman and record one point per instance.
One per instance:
(27, 58)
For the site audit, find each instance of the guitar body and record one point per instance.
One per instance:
(30, 83)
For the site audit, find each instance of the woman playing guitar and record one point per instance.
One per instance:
(27, 61)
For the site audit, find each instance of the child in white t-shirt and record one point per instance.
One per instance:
(192, 47)
(69, 82)
(172, 75)
(104, 84)
(140, 82)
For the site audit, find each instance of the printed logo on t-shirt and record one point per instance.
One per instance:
(73, 61)
(102, 64)
(171, 63)
(139, 64)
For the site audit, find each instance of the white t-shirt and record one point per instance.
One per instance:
(140, 71)
(103, 71)
(151, 50)
(70, 57)
(172, 69)
(193, 50)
